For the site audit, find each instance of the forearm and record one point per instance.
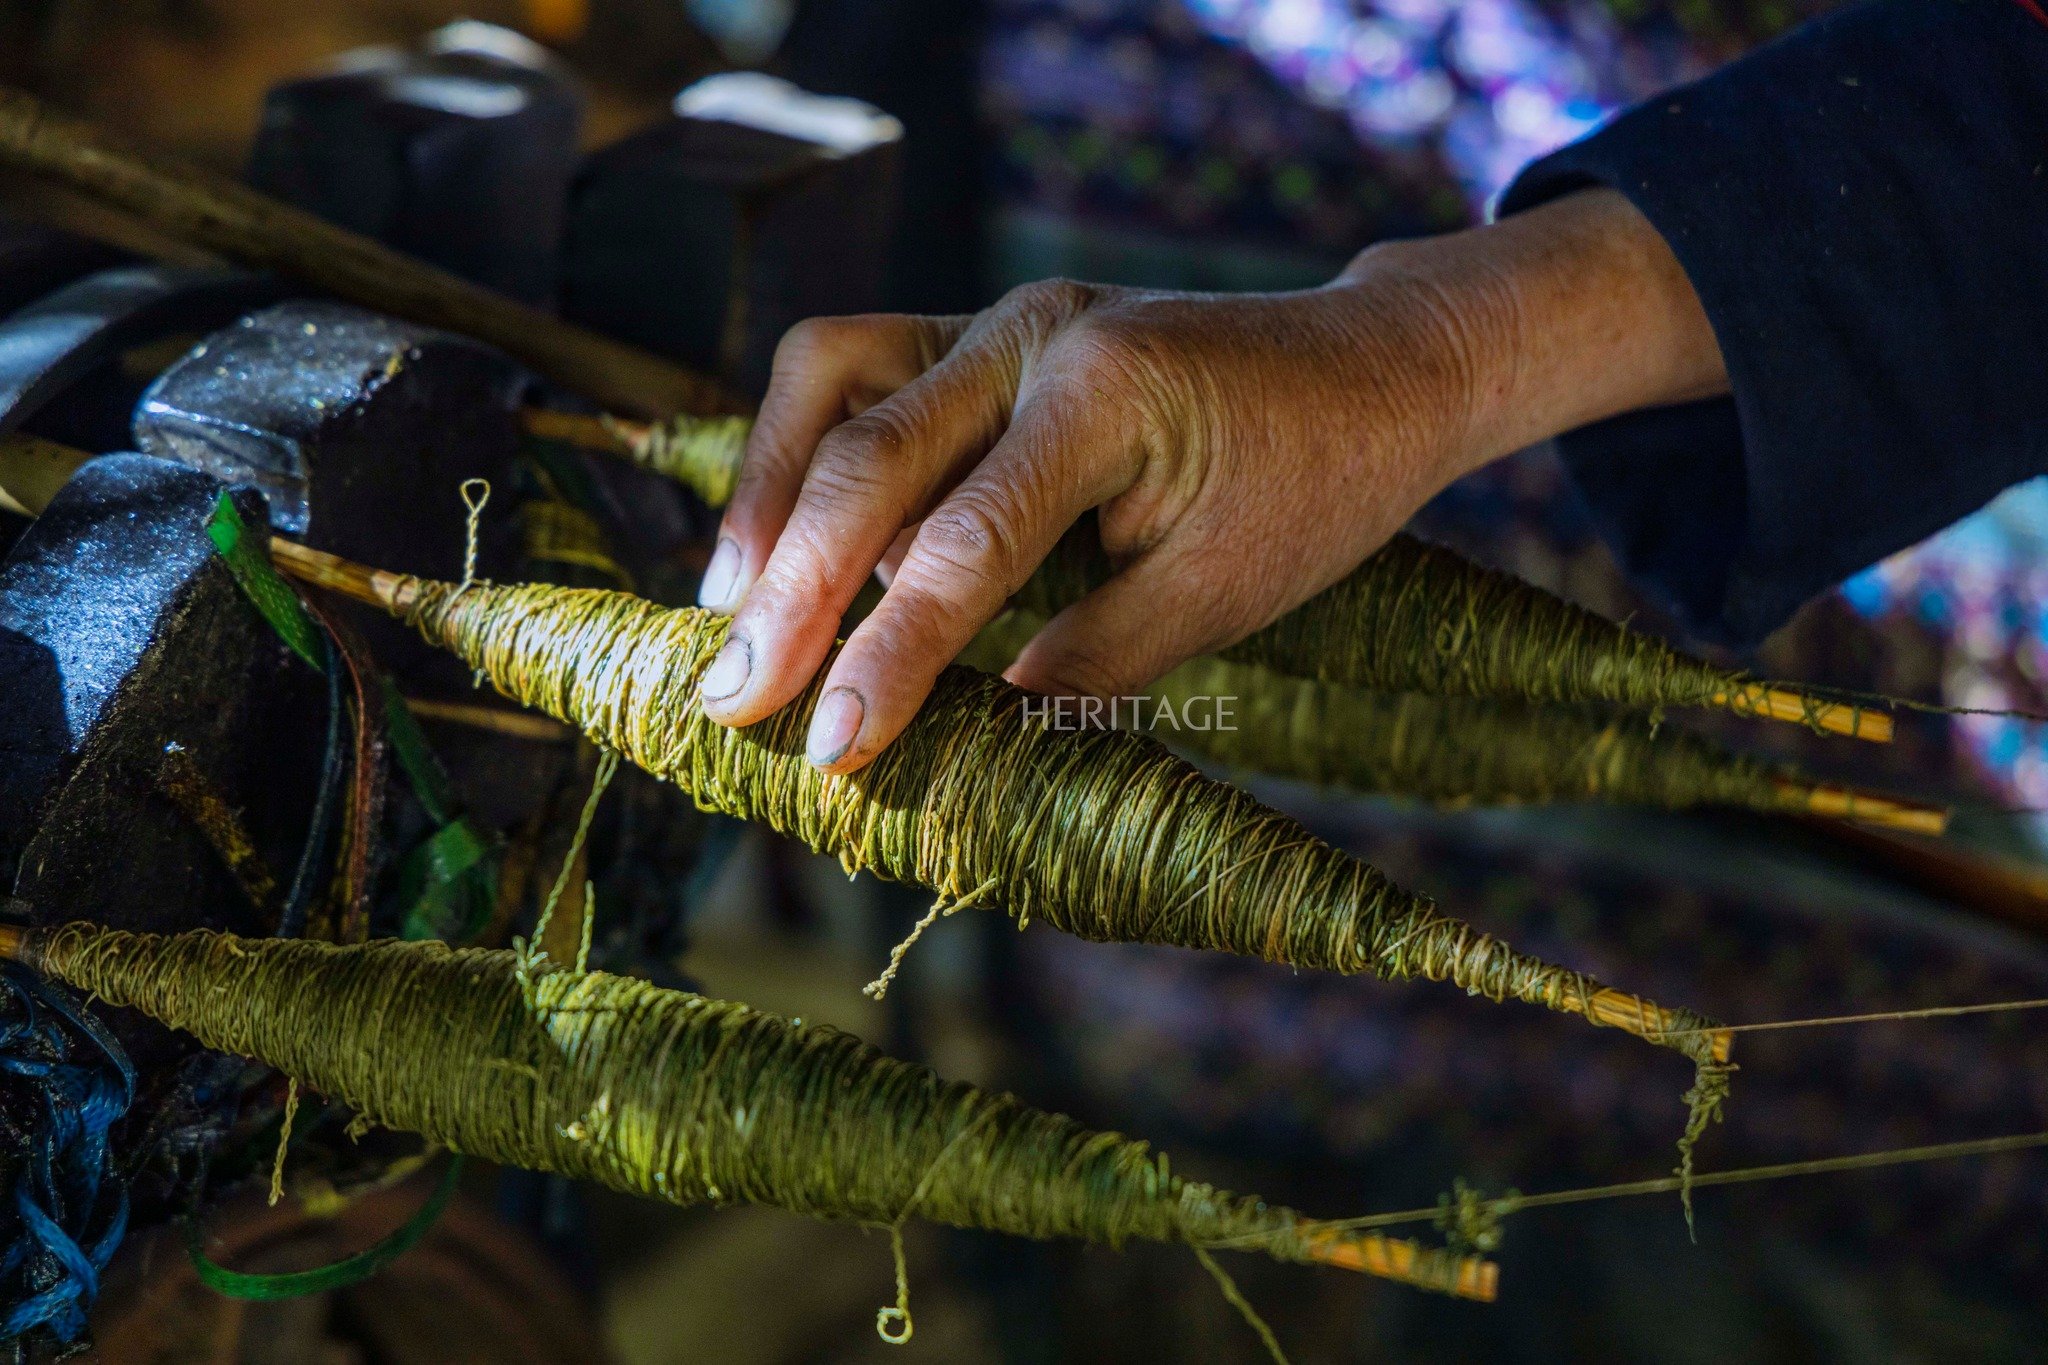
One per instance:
(1862, 212)
(1559, 317)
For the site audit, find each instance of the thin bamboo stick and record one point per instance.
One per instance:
(32, 470)
(1867, 808)
(1837, 718)
(497, 719)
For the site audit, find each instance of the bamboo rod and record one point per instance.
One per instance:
(1866, 808)
(377, 587)
(32, 470)
(1835, 717)
(206, 210)
(1387, 1259)
(497, 719)
(578, 429)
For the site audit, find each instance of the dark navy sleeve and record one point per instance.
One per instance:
(1862, 207)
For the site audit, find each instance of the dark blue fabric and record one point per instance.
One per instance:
(1862, 207)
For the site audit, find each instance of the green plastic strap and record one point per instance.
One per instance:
(354, 1270)
(248, 559)
(415, 755)
(449, 884)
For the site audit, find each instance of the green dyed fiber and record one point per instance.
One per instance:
(1105, 835)
(1418, 618)
(668, 1095)
(1448, 750)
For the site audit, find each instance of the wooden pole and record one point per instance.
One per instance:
(32, 470)
(211, 212)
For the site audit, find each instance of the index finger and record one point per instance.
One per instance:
(826, 371)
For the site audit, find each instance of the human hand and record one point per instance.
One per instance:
(1242, 451)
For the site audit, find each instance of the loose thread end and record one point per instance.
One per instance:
(1704, 1104)
(879, 987)
(475, 493)
(1235, 1297)
(892, 1323)
(284, 1140)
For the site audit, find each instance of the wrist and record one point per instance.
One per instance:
(1572, 312)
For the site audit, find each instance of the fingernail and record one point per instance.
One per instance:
(719, 575)
(835, 725)
(728, 672)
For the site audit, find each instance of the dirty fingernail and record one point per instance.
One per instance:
(720, 575)
(728, 672)
(835, 725)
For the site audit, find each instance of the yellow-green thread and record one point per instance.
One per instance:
(701, 453)
(665, 1094)
(1448, 750)
(1102, 834)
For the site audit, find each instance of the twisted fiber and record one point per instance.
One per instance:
(1467, 750)
(1417, 618)
(660, 1093)
(1103, 834)
(1451, 750)
(701, 453)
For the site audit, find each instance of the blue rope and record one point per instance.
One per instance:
(69, 1212)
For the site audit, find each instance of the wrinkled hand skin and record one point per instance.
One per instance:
(1243, 452)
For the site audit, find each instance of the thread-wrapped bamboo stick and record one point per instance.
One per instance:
(1456, 751)
(677, 1097)
(1413, 618)
(1104, 835)
(196, 207)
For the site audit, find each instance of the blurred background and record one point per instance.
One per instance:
(1239, 145)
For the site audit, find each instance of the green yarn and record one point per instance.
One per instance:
(670, 1095)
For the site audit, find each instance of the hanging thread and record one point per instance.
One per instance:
(284, 1141)
(532, 952)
